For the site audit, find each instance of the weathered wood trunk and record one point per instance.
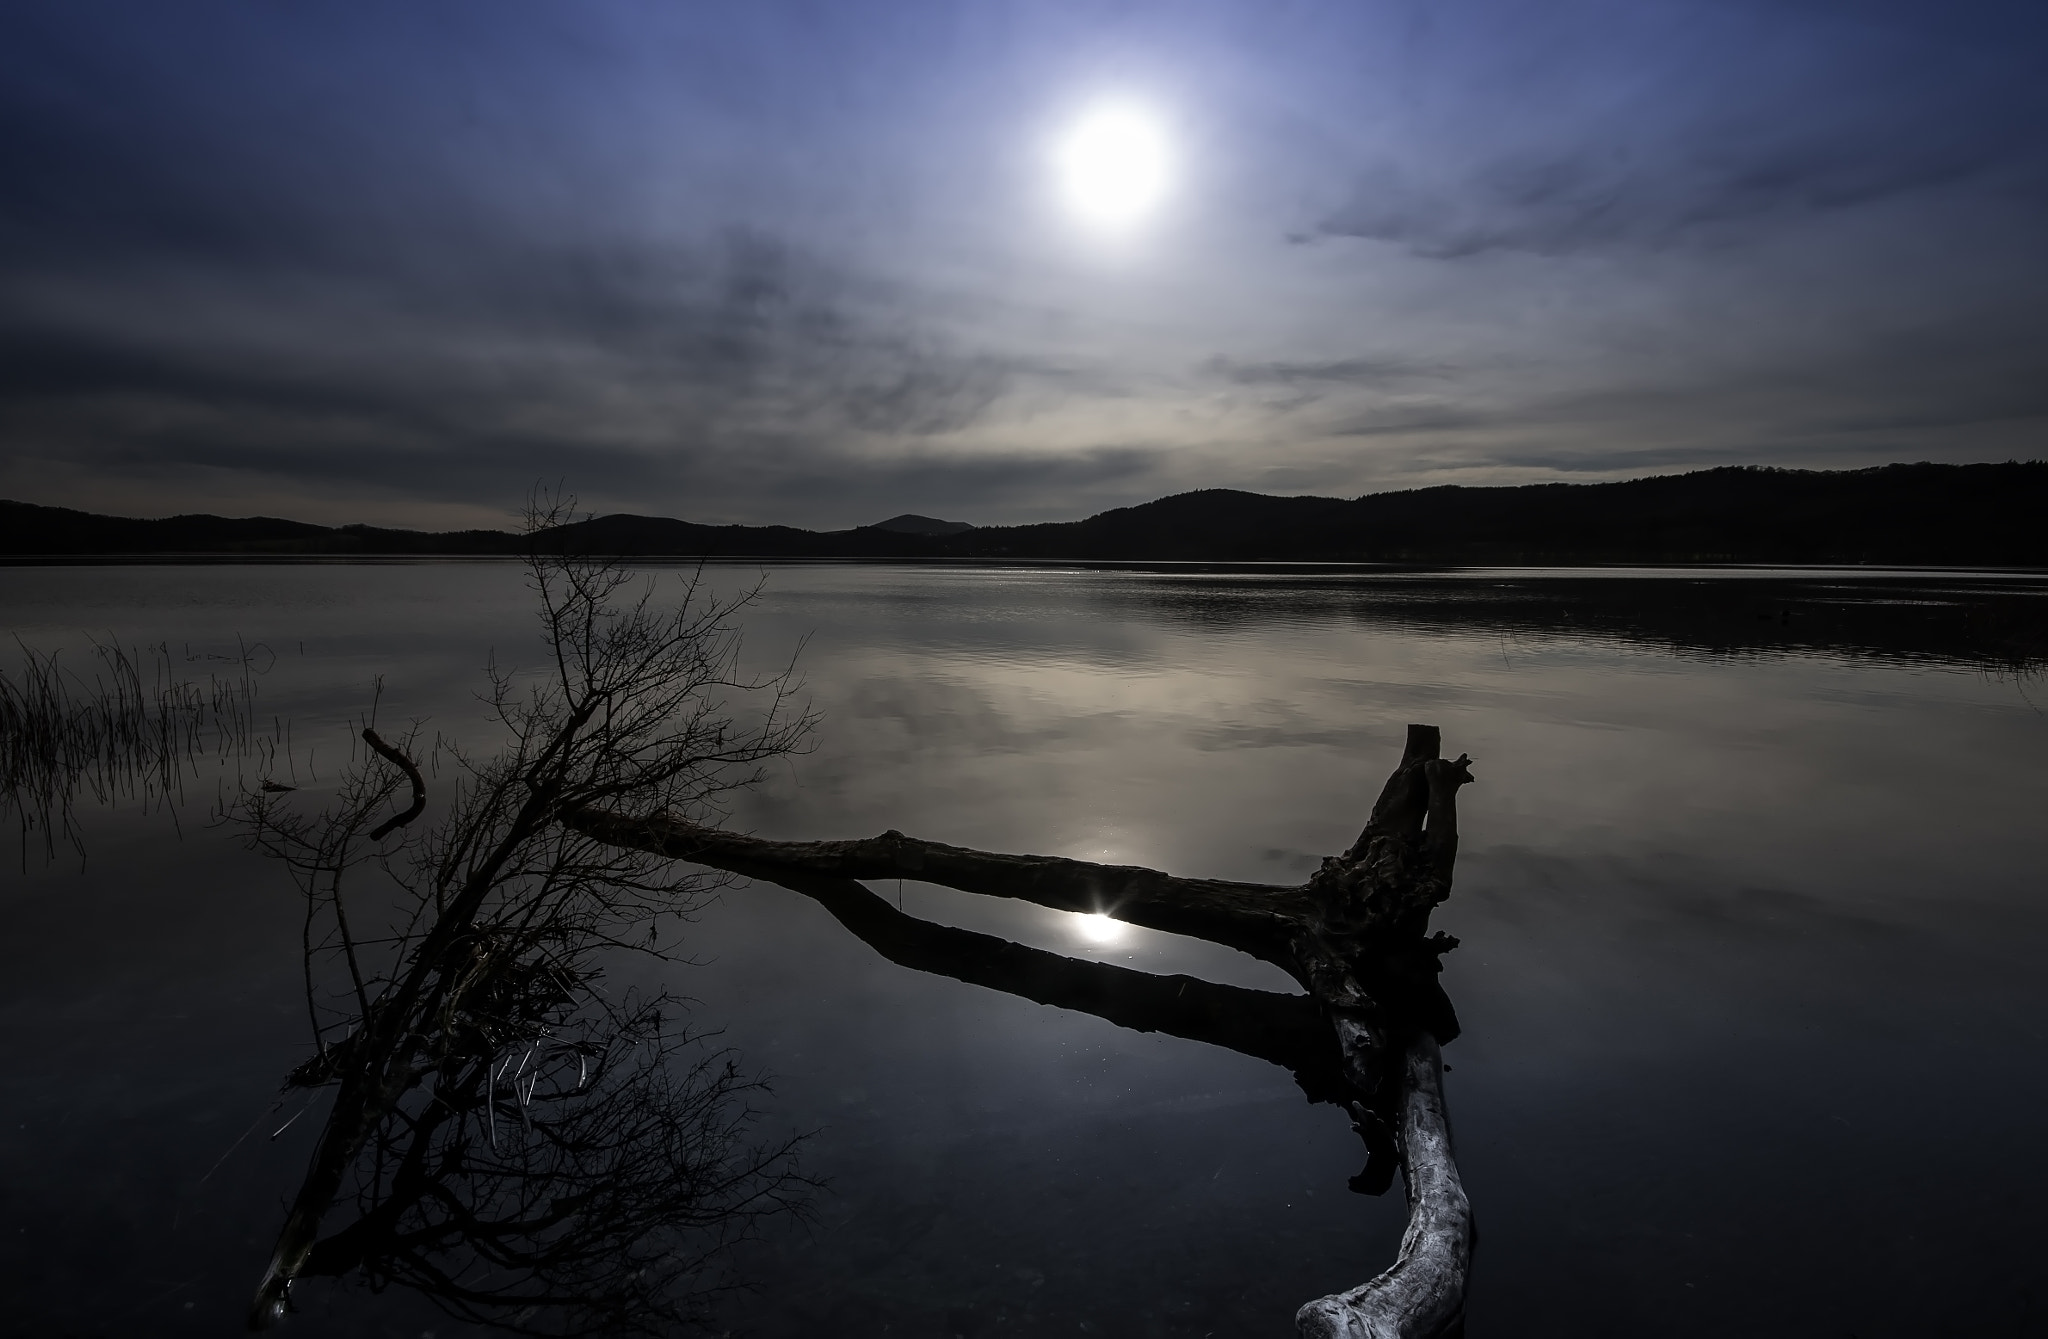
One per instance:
(1365, 1035)
(1424, 1293)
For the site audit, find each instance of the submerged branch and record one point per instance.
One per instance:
(412, 774)
(1257, 918)
(1285, 1030)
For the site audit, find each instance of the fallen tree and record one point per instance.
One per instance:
(487, 1094)
(1365, 1034)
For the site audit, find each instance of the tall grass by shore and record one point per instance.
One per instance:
(131, 725)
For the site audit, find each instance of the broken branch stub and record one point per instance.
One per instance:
(1355, 937)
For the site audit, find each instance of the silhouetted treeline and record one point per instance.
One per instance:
(1970, 514)
(1986, 515)
(29, 529)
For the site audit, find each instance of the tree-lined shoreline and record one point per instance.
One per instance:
(1972, 515)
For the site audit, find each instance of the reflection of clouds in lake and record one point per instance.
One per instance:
(1221, 746)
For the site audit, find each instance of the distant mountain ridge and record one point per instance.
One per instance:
(1982, 515)
(910, 523)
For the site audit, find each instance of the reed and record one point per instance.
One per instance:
(131, 726)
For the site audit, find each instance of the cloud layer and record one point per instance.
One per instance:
(374, 262)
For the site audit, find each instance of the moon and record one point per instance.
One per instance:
(1114, 165)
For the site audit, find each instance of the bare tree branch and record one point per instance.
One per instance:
(479, 987)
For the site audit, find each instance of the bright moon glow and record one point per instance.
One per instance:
(1113, 165)
(1101, 929)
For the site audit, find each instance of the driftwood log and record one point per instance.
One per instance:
(1365, 1034)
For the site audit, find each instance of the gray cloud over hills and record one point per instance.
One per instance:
(366, 262)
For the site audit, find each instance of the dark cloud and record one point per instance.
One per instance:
(1557, 204)
(232, 275)
(501, 368)
(1743, 118)
(1339, 371)
(1409, 420)
(1283, 387)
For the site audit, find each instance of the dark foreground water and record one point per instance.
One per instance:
(1752, 901)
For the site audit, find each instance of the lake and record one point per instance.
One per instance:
(1751, 898)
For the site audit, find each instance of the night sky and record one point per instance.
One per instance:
(823, 263)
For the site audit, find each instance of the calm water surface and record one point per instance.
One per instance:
(1751, 896)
